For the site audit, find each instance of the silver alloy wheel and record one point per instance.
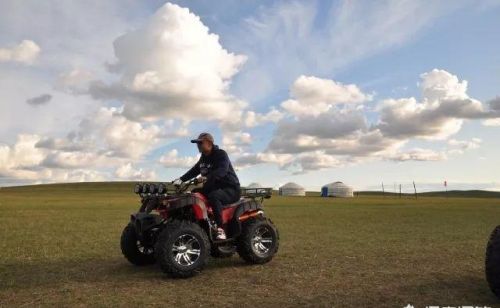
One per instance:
(186, 250)
(262, 240)
(144, 250)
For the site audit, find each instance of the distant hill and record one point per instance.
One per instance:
(81, 186)
(450, 193)
(128, 186)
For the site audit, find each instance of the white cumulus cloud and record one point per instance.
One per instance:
(25, 52)
(76, 81)
(321, 129)
(174, 67)
(173, 160)
(441, 112)
(24, 162)
(129, 172)
(313, 96)
(419, 154)
(109, 133)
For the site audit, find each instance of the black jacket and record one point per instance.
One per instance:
(218, 170)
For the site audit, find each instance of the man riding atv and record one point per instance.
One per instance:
(174, 225)
(221, 185)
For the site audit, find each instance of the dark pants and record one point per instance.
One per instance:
(220, 197)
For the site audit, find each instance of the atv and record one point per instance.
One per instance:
(492, 267)
(174, 227)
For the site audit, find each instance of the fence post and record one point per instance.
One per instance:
(415, 187)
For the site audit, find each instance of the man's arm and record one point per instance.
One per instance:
(194, 171)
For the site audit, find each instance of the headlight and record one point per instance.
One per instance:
(152, 188)
(162, 188)
(138, 188)
(145, 188)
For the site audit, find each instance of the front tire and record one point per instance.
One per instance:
(133, 250)
(259, 241)
(492, 267)
(182, 249)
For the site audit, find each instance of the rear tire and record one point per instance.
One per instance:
(492, 267)
(259, 240)
(133, 250)
(182, 249)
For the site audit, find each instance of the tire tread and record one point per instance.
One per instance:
(128, 244)
(244, 247)
(492, 261)
(172, 228)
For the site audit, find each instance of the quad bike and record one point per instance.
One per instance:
(174, 227)
(493, 261)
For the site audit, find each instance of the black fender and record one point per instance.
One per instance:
(244, 206)
(144, 222)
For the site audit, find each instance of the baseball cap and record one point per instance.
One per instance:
(203, 136)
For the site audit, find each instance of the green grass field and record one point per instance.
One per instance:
(60, 247)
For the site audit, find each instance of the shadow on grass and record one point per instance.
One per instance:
(34, 274)
(461, 290)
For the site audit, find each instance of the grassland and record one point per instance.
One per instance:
(60, 247)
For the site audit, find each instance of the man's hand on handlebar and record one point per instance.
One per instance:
(201, 179)
(177, 182)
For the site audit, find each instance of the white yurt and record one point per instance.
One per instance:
(292, 189)
(337, 189)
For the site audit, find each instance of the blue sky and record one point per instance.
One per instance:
(303, 91)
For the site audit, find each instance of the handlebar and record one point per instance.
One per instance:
(179, 189)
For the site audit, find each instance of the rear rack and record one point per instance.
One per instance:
(261, 192)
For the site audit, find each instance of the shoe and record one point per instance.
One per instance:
(221, 235)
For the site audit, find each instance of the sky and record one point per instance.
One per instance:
(364, 92)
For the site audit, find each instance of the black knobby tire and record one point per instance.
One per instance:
(223, 251)
(247, 247)
(131, 248)
(169, 241)
(493, 262)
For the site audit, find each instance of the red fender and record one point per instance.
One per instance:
(202, 208)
